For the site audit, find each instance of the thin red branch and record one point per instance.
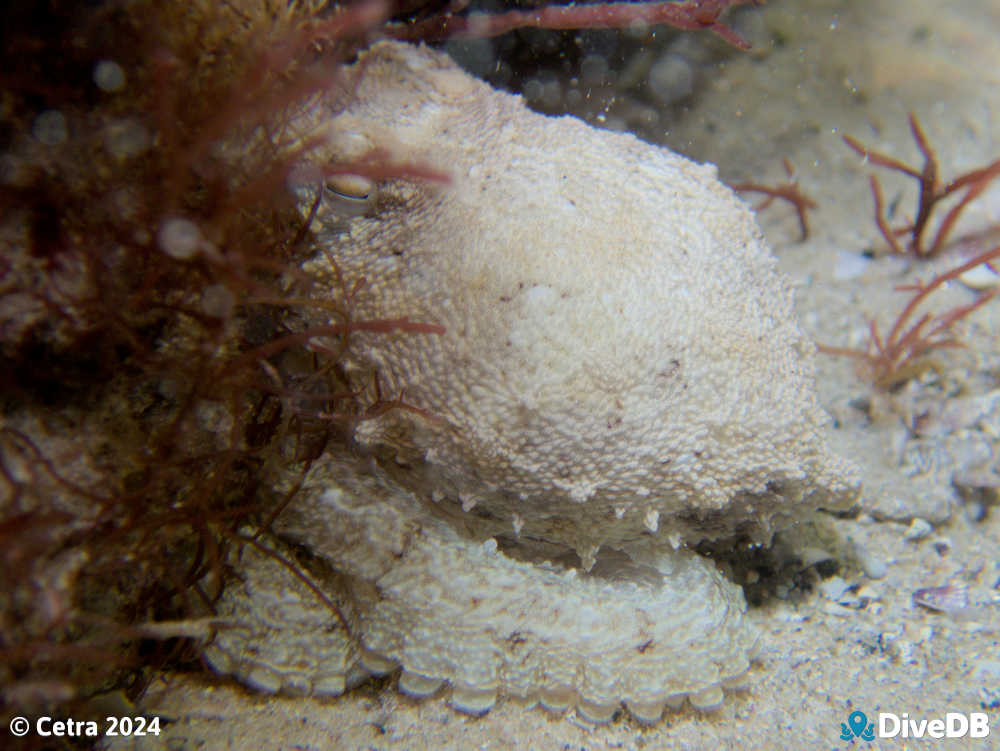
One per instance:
(297, 573)
(788, 191)
(987, 173)
(881, 160)
(929, 188)
(880, 220)
(377, 165)
(974, 191)
(937, 282)
(379, 326)
(347, 21)
(692, 15)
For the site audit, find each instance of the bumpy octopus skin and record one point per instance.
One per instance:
(620, 377)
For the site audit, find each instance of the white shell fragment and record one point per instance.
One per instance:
(620, 374)
(950, 598)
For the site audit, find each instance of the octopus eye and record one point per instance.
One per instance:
(350, 187)
(349, 196)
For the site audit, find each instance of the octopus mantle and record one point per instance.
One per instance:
(620, 377)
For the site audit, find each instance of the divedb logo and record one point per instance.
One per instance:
(891, 725)
(954, 725)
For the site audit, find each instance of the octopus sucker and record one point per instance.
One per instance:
(418, 686)
(557, 699)
(472, 701)
(707, 699)
(378, 665)
(648, 713)
(596, 713)
(621, 374)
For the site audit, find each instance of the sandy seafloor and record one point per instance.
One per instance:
(856, 640)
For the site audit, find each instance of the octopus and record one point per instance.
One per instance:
(620, 377)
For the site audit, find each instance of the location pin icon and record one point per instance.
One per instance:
(857, 721)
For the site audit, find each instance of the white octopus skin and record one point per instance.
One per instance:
(620, 376)
(647, 630)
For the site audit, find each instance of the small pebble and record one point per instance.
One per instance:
(853, 600)
(812, 555)
(791, 616)
(834, 588)
(918, 529)
(975, 510)
(832, 608)
(942, 545)
(902, 650)
(875, 566)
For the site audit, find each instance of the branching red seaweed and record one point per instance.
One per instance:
(900, 355)
(931, 193)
